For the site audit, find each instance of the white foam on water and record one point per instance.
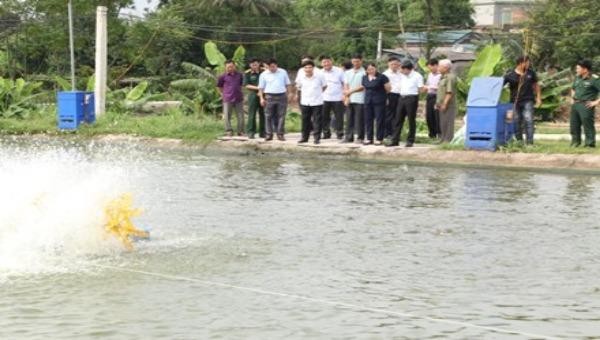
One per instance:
(52, 209)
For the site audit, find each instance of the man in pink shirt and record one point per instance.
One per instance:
(431, 114)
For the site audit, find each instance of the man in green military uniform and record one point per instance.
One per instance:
(585, 98)
(251, 84)
(446, 100)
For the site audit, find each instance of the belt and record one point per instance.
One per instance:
(431, 94)
(409, 95)
(275, 94)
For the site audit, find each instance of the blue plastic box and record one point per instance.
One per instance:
(74, 108)
(486, 116)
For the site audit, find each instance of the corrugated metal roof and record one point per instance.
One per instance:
(445, 37)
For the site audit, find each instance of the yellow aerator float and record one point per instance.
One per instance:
(119, 213)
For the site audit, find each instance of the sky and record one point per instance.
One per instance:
(140, 5)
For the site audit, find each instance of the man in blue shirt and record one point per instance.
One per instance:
(273, 90)
(354, 99)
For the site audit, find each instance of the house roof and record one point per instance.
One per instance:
(452, 53)
(443, 38)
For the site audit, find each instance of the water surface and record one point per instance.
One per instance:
(512, 250)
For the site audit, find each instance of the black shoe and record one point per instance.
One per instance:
(327, 135)
(392, 144)
(268, 138)
(590, 146)
(281, 138)
(251, 136)
(340, 137)
(346, 141)
(317, 141)
(409, 144)
(303, 141)
(576, 144)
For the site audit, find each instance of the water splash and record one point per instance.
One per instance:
(52, 209)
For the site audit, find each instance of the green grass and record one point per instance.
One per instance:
(205, 129)
(540, 147)
(173, 124)
(551, 129)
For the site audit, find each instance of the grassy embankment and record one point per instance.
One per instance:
(205, 129)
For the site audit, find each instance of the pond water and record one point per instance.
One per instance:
(267, 247)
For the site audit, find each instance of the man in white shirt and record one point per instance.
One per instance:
(301, 73)
(395, 76)
(431, 114)
(410, 86)
(312, 86)
(333, 98)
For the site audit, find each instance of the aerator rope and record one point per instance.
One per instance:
(119, 213)
(332, 303)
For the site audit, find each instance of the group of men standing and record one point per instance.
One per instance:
(368, 100)
(363, 99)
(374, 106)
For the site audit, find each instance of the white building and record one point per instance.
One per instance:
(500, 13)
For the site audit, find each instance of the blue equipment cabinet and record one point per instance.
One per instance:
(487, 126)
(75, 107)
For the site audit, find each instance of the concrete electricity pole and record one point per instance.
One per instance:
(101, 60)
(71, 45)
(379, 45)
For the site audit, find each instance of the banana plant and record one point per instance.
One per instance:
(554, 88)
(197, 95)
(18, 97)
(217, 59)
(132, 99)
(486, 64)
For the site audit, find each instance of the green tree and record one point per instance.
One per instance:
(40, 43)
(264, 27)
(344, 27)
(435, 16)
(349, 26)
(563, 31)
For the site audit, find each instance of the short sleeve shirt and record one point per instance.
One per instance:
(586, 89)
(312, 89)
(521, 87)
(231, 84)
(301, 74)
(433, 79)
(335, 84)
(251, 78)
(395, 79)
(411, 83)
(353, 78)
(446, 85)
(274, 82)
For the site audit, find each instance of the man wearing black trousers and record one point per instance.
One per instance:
(333, 98)
(410, 86)
(312, 86)
(354, 99)
(394, 75)
(431, 113)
